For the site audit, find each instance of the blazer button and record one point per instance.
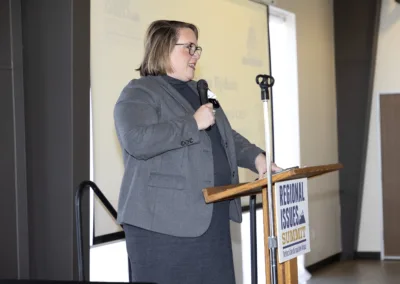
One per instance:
(183, 143)
(233, 174)
(191, 140)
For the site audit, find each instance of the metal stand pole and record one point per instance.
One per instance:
(253, 239)
(265, 82)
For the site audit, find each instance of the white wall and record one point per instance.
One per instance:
(109, 262)
(317, 111)
(386, 80)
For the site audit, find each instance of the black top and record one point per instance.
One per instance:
(222, 171)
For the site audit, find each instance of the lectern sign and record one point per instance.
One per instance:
(291, 205)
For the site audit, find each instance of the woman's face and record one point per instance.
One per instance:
(182, 62)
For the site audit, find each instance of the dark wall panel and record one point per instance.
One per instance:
(14, 252)
(8, 246)
(356, 29)
(56, 37)
(44, 114)
(47, 59)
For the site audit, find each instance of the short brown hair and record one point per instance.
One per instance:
(161, 37)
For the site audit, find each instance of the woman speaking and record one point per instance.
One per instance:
(173, 147)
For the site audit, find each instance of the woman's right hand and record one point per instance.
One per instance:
(204, 116)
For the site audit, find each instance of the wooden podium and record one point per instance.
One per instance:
(287, 271)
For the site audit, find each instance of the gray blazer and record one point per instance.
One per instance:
(168, 161)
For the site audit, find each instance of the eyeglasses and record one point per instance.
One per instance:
(192, 48)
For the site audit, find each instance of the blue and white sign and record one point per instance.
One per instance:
(291, 205)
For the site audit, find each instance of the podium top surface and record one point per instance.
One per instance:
(219, 193)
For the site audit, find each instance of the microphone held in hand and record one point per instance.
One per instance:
(202, 88)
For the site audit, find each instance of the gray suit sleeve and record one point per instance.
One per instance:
(246, 152)
(140, 132)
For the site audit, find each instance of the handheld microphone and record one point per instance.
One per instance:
(202, 88)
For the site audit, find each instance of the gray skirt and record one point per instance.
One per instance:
(163, 259)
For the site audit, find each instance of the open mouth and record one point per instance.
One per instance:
(192, 65)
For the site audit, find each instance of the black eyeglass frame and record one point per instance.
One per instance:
(192, 48)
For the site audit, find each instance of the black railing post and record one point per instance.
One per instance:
(253, 239)
(78, 196)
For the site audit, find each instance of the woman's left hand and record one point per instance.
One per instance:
(261, 166)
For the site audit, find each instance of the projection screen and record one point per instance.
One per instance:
(234, 38)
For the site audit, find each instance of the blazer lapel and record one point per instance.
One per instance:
(219, 117)
(175, 95)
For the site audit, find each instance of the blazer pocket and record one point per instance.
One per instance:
(167, 181)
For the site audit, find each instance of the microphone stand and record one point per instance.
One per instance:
(265, 82)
